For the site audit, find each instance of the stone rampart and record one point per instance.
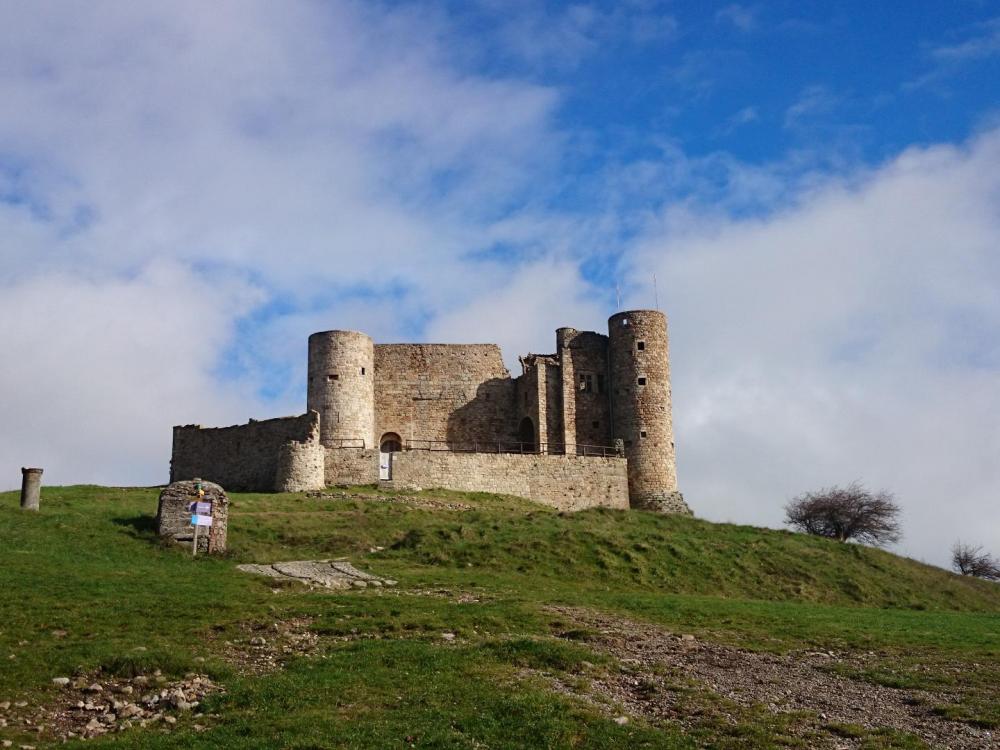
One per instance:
(243, 458)
(351, 466)
(301, 467)
(564, 482)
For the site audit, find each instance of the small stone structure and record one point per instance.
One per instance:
(589, 425)
(31, 488)
(173, 514)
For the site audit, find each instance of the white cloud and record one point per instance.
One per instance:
(985, 42)
(168, 168)
(851, 336)
(96, 371)
(814, 101)
(740, 16)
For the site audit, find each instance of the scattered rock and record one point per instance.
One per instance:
(448, 636)
(621, 720)
(60, 681)
(94, 688)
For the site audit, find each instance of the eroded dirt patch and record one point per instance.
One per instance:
(260, 648)
(658, 663)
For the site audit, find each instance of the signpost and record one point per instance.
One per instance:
(201, 515)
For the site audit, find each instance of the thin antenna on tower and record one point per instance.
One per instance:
(656, 294)
(618, 296)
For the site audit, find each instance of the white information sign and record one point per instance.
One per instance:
(201, 520)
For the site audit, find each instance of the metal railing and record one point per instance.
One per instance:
(501, 446)
(347, 443)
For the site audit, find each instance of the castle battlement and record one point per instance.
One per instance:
(587, 425)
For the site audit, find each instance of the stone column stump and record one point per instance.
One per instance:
(31, 488)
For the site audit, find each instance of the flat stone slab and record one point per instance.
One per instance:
(333, 574)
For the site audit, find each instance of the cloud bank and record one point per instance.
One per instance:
(187, 191)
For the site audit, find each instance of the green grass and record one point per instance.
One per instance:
(88, 586)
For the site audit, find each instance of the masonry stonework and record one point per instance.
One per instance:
(563, 482)
(173, 517)
(244, 458)
(587, 425)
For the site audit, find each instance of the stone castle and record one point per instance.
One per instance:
(589, 425)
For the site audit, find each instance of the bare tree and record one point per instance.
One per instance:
(842, 513)
(972, 561)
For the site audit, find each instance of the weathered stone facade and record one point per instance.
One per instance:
(450, 415)
(173, 517)
(563, 482)
(245, 458)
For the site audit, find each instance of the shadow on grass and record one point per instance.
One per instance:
(143, 525)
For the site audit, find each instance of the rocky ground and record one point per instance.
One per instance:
(91, 705)
(336, 574)
(660, 668)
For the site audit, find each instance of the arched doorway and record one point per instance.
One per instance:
(526, 435)
(390, 443)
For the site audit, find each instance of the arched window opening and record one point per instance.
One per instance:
(390, 443)
(526, 435)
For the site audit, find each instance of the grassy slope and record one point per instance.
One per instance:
(88, 565)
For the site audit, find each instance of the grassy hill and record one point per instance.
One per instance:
(89, 591)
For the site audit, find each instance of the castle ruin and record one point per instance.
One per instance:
(589, 425)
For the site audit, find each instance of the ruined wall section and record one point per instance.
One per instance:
(457, 394)
(564, 482)
(640, 374)
(588, 353)
(529, 406)
(242, 458)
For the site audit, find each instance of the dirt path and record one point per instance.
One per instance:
(787, 683)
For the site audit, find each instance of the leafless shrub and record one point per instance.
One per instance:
(972, 561)
(843, 513)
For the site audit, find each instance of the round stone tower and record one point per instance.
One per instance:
(639, 367)
(342, 387)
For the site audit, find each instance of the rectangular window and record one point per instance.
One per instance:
(590, 383)
(362, 370)
(595, 425)
(642, 381)
(641, 346)
(333, 376)
(642, 433)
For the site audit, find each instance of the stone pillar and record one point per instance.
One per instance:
(31, 485)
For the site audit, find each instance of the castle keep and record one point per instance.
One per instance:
(588, 425)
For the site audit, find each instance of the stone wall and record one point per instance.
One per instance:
(564, 482)
(351, 466)
(301, 467)
(588, 353)
(243, 458)
(457, 394)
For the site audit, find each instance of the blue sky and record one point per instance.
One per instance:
(187, 190)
